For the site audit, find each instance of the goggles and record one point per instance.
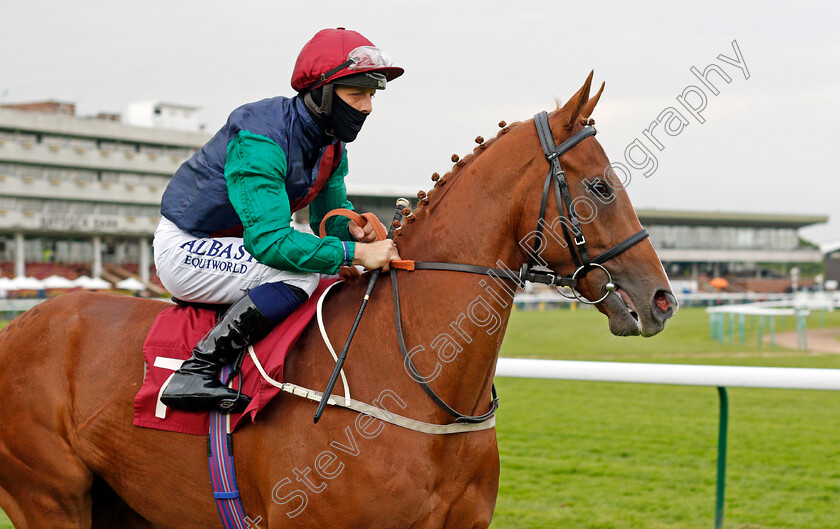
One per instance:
(361, 60)
(368, 58)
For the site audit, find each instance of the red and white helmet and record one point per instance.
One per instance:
(333, 54)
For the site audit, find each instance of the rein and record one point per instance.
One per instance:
(530, 271)
(362, 220)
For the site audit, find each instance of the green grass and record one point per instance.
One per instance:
(622, 456)
(598, 455)
(583, 335)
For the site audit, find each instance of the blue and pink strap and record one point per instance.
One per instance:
(222, 472)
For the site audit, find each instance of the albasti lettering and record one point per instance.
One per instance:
(216, 255)
(217, 249)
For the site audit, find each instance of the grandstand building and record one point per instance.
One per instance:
(717, 243)
(82, 196)
(831, 253)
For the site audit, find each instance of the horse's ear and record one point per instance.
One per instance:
(574, 106)
(590, 105)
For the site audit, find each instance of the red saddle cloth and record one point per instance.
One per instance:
(170, 341)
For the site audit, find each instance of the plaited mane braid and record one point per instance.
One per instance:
(426, 201)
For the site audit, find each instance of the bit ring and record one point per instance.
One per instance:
(610, 286)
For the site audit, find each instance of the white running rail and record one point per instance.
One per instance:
(679, 374)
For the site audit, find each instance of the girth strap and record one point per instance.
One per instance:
(222, 471)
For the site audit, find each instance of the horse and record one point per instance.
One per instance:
(72, 365)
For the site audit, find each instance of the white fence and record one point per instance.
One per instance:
(692, 375)
(822, 300)
(678, 374)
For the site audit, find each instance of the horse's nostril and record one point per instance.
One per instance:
(661, 301)
(664, 305)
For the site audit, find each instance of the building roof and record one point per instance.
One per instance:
(727, 218)
(173, 105)
(830, 247)
(49, 106)
(63, 125)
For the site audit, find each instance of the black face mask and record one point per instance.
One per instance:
(345, 120)
(312, 101)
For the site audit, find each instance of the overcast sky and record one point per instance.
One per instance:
(766, 144)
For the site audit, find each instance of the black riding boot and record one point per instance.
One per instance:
(196, 385)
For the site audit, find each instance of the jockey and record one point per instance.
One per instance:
(225, 235)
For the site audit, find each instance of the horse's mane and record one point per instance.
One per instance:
(428, 200)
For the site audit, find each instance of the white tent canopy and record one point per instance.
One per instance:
(25, 283)
(131, 284)
(91, 283)
(58, 282)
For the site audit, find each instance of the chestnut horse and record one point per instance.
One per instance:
(71, 367)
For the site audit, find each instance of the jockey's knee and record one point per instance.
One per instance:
(305, 282)
(278, 299)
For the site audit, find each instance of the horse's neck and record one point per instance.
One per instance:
(456, 321)
(454, 324)
(471, 219)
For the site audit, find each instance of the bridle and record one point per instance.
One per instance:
(531, 271)
(572, 233)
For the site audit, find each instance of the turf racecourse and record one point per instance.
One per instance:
(598, 455)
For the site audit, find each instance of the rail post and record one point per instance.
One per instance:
(721, 462)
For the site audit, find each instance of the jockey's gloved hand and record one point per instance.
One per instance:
(365, 234)
(375, 255)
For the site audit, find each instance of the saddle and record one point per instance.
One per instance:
(219, 308)
(170, 341)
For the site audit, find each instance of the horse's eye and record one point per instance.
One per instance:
(601, 189)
